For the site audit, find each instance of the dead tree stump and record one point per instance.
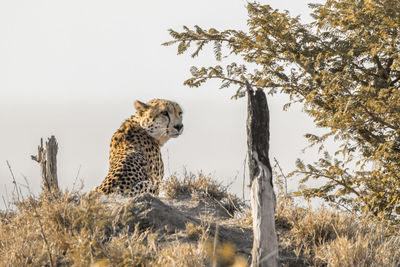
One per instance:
(263, 201)
(47, 159)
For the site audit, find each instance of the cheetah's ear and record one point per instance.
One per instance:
(140, 106)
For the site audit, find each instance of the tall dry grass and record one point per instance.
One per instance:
(326, 237)
(78, 230)
(73, 229)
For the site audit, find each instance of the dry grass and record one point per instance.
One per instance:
(193, 231)
(202, 186)
(73, 229)
(330, 238)
(80, 230)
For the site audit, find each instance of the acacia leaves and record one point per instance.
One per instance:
(345, 68)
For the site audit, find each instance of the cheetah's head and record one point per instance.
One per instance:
(162, 119)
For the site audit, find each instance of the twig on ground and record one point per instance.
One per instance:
(14, 181)
(76, 177)
(283, 175)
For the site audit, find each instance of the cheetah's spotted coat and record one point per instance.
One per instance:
(136, 165)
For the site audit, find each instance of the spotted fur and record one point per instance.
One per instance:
(136, 165)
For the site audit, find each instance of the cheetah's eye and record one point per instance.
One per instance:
(180, 113)
(164, 113)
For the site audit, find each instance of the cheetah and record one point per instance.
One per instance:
(135, 159)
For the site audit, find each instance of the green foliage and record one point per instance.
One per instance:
(345, 69)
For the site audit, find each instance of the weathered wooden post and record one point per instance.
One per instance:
(47, 159)
(263, 201)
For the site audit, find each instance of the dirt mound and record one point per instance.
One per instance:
(171, 217)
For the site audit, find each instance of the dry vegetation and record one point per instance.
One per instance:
(330, 238)
(80, 231)
(202, 186)
(207, 226)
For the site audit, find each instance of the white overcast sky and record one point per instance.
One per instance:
(73, 69)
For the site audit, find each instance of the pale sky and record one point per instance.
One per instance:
(74, 68)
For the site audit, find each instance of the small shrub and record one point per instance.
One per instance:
(202, 186)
